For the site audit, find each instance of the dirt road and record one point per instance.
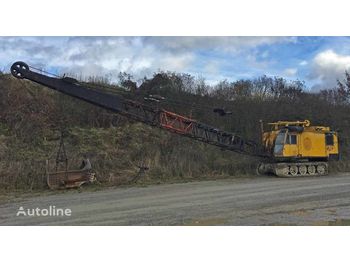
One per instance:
(253, 201)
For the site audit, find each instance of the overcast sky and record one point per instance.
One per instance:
(318, 61)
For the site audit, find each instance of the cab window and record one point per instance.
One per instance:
(280, 138)
(291, 139)
(278, 149)
(329, 140)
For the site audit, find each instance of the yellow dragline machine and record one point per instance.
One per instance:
(287, 149)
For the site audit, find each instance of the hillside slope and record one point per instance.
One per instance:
(31, 118)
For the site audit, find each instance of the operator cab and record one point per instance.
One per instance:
(284, 137)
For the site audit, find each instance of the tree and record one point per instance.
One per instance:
(125, 81)
(201, 87)
(344, 88)
(223, 90)
(243, 88)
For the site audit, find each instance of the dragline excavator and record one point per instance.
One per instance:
(288, 149)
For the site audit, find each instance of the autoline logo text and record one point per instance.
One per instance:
(51, 211)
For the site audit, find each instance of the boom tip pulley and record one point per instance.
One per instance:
(18, 69)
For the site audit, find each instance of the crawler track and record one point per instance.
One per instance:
(301, 169)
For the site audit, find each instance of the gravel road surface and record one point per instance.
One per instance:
(250, 201)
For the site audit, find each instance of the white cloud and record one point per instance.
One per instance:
(289, 72)
(327, 67)
(97, 56)
(329, 58)
(139, 56)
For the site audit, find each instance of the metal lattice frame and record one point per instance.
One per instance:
(137, 111)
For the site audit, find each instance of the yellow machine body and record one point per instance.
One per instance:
(298, 149)
(298, 140)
